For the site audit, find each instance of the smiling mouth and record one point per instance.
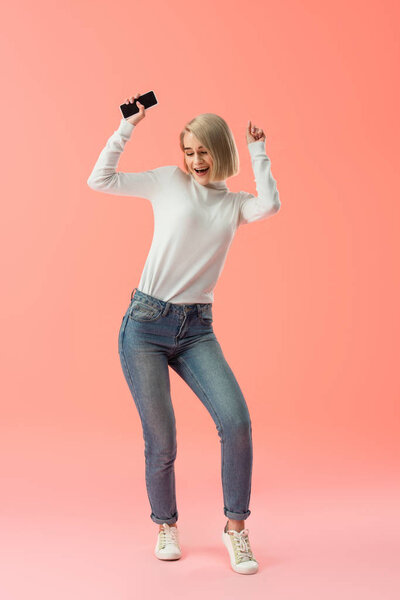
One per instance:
(202, 171)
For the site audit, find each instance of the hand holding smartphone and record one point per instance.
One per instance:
(134, 107)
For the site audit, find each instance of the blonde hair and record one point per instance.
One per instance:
(214, 134)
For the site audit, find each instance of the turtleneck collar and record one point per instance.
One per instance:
(216, 185)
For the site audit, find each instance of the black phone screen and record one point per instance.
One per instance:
(147, 100)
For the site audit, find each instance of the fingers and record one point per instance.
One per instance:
(252, 128)
(254, 131)
(132, 99)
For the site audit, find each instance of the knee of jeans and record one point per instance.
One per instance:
(240, 427)
(162, 452)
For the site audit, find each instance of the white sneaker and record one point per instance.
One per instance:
(238, 545)
(167, 546)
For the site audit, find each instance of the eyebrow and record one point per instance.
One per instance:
(189, 148)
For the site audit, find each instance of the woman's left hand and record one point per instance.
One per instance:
(253, 134)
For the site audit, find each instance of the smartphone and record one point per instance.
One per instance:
(147, 100)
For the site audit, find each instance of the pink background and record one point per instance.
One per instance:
(306, 309)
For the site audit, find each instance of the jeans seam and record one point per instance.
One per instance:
(186, 366)
(122, 353)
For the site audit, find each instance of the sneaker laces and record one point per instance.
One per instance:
(241, 544)
(168, 535)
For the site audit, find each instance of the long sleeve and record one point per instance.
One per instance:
(104, 177)
(267, 202)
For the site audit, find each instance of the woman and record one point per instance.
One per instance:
(168, 322)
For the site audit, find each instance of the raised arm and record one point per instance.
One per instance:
(267, 202)
(105, 178)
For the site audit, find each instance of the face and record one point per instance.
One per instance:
(197, 157)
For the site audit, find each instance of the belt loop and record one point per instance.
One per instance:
(198, 309)
(133, 292)
(166, 309)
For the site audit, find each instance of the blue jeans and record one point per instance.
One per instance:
(155, 334)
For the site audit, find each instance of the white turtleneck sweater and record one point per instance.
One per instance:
(194, 224)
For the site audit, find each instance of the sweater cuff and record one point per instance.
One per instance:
(255, 147)
(125, 128)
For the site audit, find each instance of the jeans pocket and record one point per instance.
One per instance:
(206, 315)
(143, 312)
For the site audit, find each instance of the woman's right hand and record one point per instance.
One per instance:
(134, 119)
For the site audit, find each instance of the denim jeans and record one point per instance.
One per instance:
(155, 335)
